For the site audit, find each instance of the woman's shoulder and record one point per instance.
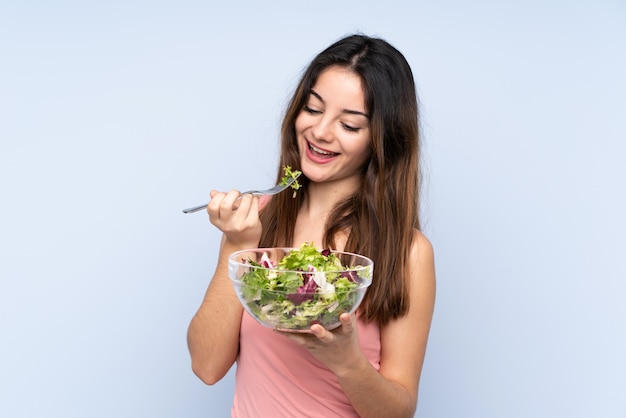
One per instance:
(421, 247)
(422, 260)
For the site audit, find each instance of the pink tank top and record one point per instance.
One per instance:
(277, 378)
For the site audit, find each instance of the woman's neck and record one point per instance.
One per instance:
(320, 200)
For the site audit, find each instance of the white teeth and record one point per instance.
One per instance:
(320, 151)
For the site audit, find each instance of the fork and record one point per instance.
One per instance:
(273, 190)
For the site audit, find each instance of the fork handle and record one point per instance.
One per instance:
(199, 208)
(195, 209)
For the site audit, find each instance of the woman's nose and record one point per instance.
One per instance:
(322, 129)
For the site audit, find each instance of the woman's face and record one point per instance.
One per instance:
(333, 128)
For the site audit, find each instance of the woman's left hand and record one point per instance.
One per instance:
(337, 349)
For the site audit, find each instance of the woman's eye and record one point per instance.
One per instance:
(310, 110)
(350, 128)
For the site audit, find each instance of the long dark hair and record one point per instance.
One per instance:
(380, 219)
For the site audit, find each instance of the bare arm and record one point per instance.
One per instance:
(213, 334)
(392, 390)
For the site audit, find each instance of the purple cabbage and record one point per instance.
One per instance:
(306, 291)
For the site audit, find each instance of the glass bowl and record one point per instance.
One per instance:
(293, 300)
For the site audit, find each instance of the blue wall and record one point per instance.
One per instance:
(116, 115)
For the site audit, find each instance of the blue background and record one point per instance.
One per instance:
(116, 115)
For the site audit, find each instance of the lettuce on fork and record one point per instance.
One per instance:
(291, 174)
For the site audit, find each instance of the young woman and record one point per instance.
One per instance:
(352, 129)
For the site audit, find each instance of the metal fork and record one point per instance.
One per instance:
(273, 190)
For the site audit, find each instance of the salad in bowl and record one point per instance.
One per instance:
(291, 289)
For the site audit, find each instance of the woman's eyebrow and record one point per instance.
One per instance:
(349, 111)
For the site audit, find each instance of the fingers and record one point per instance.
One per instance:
(236, 215)
(221, 201)
(347, 327)
(214, 208)
(348, 322)
(321, 333)
(223, 204)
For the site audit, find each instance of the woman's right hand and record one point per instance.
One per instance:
(237, 216)
(213, 334)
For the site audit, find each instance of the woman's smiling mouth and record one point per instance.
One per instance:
(319, 152)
